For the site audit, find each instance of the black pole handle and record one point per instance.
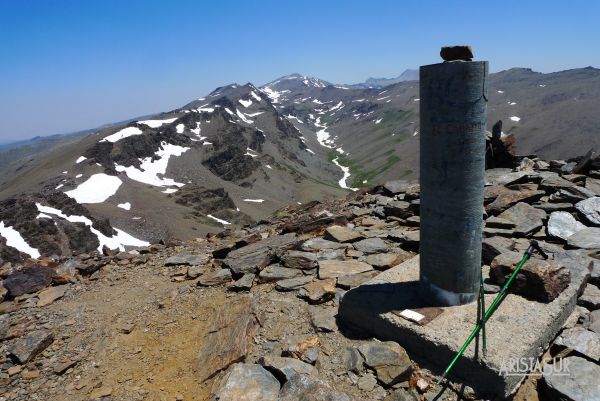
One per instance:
(535, 246)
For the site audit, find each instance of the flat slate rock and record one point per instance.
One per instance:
(276, 273)
(292, 284)
(229, 337)
(188, 260)
(337, 268)
(590, 209)
(581, 384)
(26, 348)
(218, 277)
(371, 245)
(562, 225)
(588, 238)
(508, 197)
(308, 388)
(526, 218)
(343, 234)
(299, 260)
(51, 294)
(248, 382)
(254, 257)
(318, 244)
(383, 261)
(323, 319)
(584, 341)
(354, 280)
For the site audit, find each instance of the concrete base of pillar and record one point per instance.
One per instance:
(518, 329)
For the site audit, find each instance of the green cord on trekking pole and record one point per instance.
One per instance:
(534, 246)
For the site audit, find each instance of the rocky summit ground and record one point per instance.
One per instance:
(250, 314)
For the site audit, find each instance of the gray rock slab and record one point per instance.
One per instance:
(292, 284)
(343, 234)
(26, 348)
(371, 245)
(584, 341)
(248, 382)
(579, 384)
(323, 319)
(304, 387)
(337, 268)
(528, 326)
(588, 238)
(590, 298)
(318, 244)
(527, 218)
(285, 368)
(276, 272)
(562, 225)
(189, 260)
(590, 209)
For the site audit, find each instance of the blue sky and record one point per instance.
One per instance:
(73, 65)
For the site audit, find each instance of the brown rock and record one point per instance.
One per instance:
(229, 339)
(51, 294)
(343, 234)
(538, 280)
(354, 280)
(102, 392)
(337, 268)
(318, 291)
(383, 261)
(306, 349)
(218, 277)
(507, 197)
(388, 359)
(299, 260)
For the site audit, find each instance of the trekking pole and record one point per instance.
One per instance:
(482, 313)
(533, 246)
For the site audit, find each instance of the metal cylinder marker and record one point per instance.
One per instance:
(453, 115)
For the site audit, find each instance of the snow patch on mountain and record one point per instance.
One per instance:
(346, 170)
(245, 103)
(124, 133)
(96, 189)
(15, 240)
(120, 240)
(157, 123)
(150, 169)
(225, 223)
(126, 205)
(243, 117)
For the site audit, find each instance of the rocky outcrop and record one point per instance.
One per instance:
(50, 236)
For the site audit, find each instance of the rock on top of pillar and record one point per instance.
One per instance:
(456, 53)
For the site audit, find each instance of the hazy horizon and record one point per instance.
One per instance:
(74, 66)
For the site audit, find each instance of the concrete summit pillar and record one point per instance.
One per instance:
(453, 116)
